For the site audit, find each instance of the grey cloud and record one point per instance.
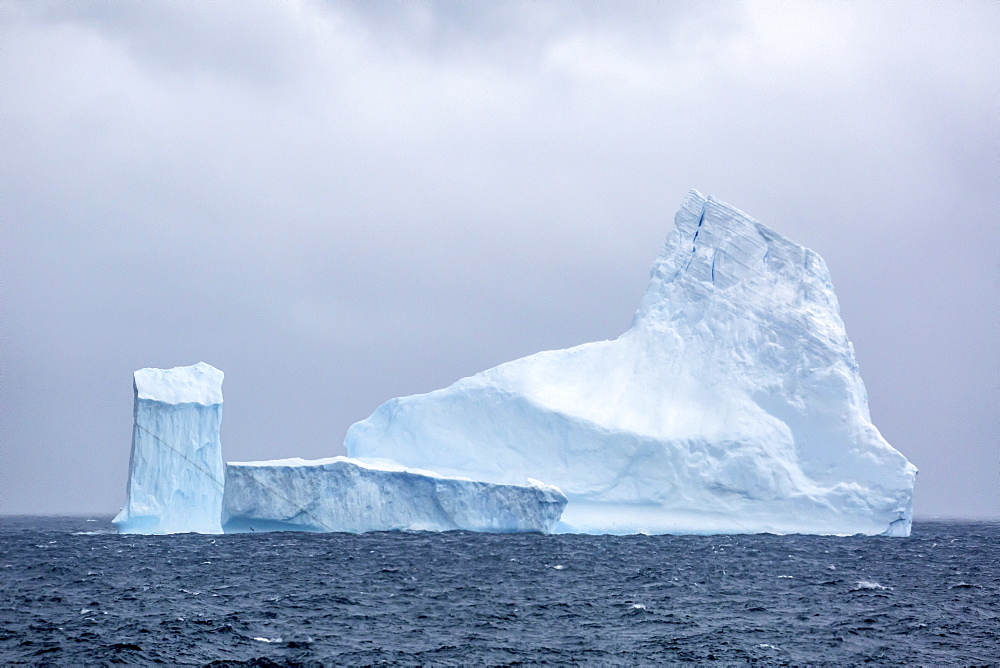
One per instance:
(340, 203)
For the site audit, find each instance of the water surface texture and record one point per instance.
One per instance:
(75, 592)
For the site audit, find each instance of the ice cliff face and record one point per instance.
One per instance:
(733, 404)
(340, 494)
(176, 472)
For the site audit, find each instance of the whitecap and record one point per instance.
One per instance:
(268, 639)
(871, 585)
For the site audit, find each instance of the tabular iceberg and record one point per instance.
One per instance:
(341, 494)
(179, 484)
(176, 473)
(733, 404)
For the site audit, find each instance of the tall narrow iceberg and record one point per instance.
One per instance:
(733, 404)
(176, 473)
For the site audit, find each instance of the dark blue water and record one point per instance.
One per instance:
(75, 593)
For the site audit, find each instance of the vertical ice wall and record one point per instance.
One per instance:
(341, 494)
(176, 473)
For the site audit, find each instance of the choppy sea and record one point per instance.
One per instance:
(74, 592)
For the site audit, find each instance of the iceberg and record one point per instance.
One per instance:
(176, 473)
(341, 494)
(733, 404)
(178, 482)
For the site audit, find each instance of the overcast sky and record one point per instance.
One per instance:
(339, 203)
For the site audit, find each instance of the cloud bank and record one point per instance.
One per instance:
(341, 203)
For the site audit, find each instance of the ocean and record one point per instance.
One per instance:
(74, 592)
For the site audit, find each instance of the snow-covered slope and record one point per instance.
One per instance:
(176, 472)
(340, 494)
(733, 404)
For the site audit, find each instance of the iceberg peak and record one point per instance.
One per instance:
(733, 404)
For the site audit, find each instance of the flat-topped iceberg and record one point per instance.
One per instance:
(176, 473)
(733, 404)
(341, 494)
